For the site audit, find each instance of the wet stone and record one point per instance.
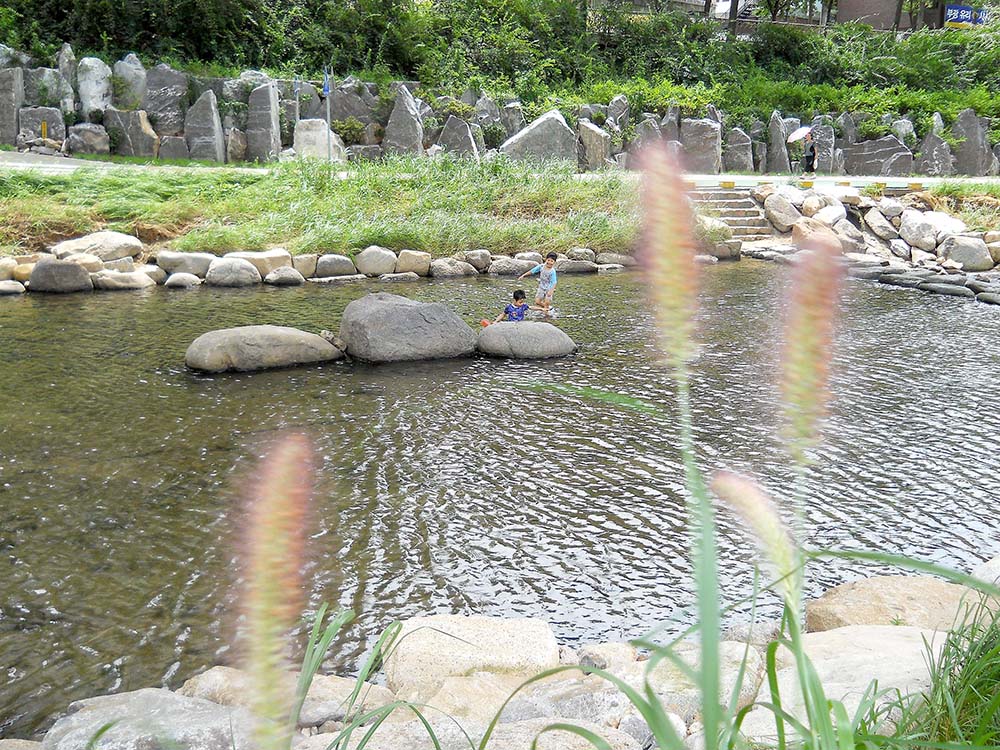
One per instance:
(951, 290)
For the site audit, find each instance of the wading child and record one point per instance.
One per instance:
(515, 311)
(546, 283)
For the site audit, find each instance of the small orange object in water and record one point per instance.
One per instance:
(484, 322)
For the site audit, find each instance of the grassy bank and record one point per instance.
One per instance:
(439, 206)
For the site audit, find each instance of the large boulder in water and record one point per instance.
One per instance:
(153, 717)
(258, 348)
(525, 340)
(59, 276)
(389, 328)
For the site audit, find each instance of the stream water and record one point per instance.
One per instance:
(457, 486)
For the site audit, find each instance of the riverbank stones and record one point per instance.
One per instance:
(375, 261)
(525, 340)
(9, 287)
(182, 281)
(576, 266)
(413, 261)
(478, 259)
(121, 280)
(193, 263)
(104, 245)
(431, 649)
(232, 272)
(920, 601)
(264, 261)
(260, 347)
(154, 717)
(284, 276)
(59, 277)
(407, 276)
(334, 265)
(443, 268)
(950, 290)
(510, 267)
(616, 259)
(388, 328)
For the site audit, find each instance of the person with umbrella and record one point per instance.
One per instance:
(808, 149)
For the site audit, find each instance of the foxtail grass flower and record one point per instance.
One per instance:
(749, 503)
(274, 552)
(667, 252)
(808, 343)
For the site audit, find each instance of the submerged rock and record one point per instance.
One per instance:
(389, 328)
(525, 340)
(259, 347)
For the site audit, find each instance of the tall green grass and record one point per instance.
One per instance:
(440, 206)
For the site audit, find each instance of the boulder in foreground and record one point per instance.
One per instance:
(525, 340)
(264, 347)
(389, 328)
(151, 718)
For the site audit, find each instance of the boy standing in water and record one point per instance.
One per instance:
(546, 282)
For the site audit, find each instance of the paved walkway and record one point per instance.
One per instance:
(63, 165)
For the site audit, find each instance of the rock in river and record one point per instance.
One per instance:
(525, 340)
(258, 348)
(389, 328)
(232, 272)
(121, 280)
(59, 276)
(151, 718)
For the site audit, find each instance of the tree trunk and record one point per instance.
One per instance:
(734, 15)
(898, 16)
(708, 8)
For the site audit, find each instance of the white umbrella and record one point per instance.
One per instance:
(799, 134)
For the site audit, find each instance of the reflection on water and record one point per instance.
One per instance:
(445, 486)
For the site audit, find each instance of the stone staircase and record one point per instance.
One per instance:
(737, 209)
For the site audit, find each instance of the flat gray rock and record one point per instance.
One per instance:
(261, 347)
(951, 290)
(284, 276)
(334, 265)
(442, 268)
(389, 328)
(990, 298)
(510, 267)
(403, 276)
(375, 261)
(104, 245)
(151, 718)
(548, 137)
(121, 280)
(10, 287)
(193, 263)
(182, 281)
(525, 340)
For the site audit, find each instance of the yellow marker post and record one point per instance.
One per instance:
(45, 129)
(844, 183)
(806, 183)
(916, 186)
(727, 184)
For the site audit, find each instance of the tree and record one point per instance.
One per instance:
(708, 8)
(776, 7)
(898, 16)
(734, 14)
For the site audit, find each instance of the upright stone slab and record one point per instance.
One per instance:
(173, 147)
(131, 89)
(45, 87)
(203, 129)
(936, 159)
(404, 133)
(512, 118)
(263, 127)
(702, 141)
(94, 86)
(972, 155)
(30, 121)
(131, 133)
(825, 140)
(647, 133)
(487, 112)
(11, 101)
(314, 139)
(777, 148)
(166, 99)
(456, 138)
(236, 145)
(886, 156)
(596, 145)
(548, 137)
(738, 153)
(66, 62)
(670, 125)
(618, 111)
(352, 99)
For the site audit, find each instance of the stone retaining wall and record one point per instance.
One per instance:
(93, 107)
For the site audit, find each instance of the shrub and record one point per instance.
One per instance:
(351, 130)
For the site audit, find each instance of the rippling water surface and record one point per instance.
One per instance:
(446, 486)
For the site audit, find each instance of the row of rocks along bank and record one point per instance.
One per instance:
(109, 261)
(462, 669)
(899, 242)
(92, 107)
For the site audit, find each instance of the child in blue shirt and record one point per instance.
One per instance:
(546, 282)
(515, 311)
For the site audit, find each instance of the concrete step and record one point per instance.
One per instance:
(727, 213)
(752, 237)
(720, 193)
(724, 203)
(757, 223)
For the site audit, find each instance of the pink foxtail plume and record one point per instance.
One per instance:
(754, 507)
(274, 555)
(809, 331)
(667, 252)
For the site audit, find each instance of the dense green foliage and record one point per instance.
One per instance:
(438, 205)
